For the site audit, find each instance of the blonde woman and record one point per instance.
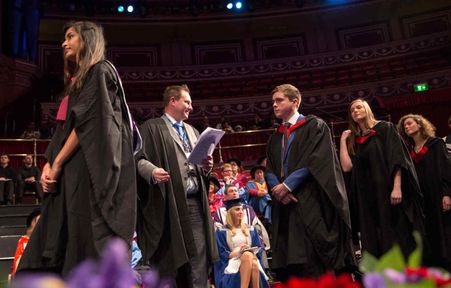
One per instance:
(89, 180)
(433, 168)
(239, 251)
(384, 191)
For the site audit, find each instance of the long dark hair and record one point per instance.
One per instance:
(92, 50)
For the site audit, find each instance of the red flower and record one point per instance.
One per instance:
(295, 282)
(327, 281)
(345, 281)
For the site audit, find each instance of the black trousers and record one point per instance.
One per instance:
(6, 191)
(195, 274)
(22, 186)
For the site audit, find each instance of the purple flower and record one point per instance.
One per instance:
(85, 275)
(115, 266)
(395, 276)
(150, 279)
(374, 280)
(113, 271)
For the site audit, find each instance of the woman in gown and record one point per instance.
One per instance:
(384, 190)
(89, 179)
(239, 251)
(433, 167)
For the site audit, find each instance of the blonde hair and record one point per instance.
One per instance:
(92, 51)
(427, 129)
(370, 120)
(226, 165)
(229, 222)
(290, 92)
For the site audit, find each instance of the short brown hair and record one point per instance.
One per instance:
(289, 91)
(173, 91)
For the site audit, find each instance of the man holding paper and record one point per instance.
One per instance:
(174, 226)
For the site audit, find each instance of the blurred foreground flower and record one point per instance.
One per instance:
(112, 270)
(392, 271)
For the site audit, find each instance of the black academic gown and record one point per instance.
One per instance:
(96, 192)
(164, 229)
(382, 224)
(433, 167)
(315, 231)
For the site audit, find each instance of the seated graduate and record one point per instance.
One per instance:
(214, 200)
(239, 251)
(257, 193)
(229, 179)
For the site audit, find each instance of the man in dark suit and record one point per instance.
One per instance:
(28, 178)
(7, 179)
(174, 227)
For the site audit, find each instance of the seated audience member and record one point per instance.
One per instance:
(262, 161)
(250, 218)
(7, 180)
(205, 123)
(28, 178)
(257, 192)
(32, 219)
(31, 132)
(226, 127)
(239, 251)
(273, 122)
(258, 123)
(219, 125)
(447, 138)
(238, 128)
(214, 200)
(228, 179)
(236, 171)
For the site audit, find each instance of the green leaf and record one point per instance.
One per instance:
(392, 259)
(415, 258)
(368, 263)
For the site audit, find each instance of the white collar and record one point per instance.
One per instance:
(172, 120)
(294, 119)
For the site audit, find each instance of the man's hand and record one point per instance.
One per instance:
(288, 199)
(30, 179)
(160, 175)
(279, 191)
(207, 164)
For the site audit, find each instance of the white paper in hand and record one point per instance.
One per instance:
(205, 145)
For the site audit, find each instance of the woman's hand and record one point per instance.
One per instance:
(396, 196)
(244, 247)
(446, 203)
(46, 182)
(345, 135)
(54, 171)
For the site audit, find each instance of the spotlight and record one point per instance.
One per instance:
(130, 8)
(120, 8)
(229, 5)
(239, 5)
